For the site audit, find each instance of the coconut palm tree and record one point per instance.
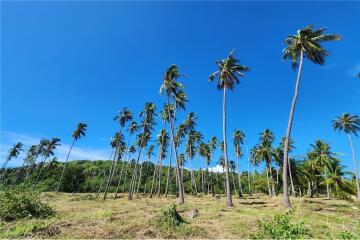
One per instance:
(267, 137)
(350, 124)
(122, 118)
(147, 123)
(322, 156)
(14, 152)
(30, 159)
(174, 93)
(306, 43)
(238, 140)
(77, 134)
(228, 74)
(47, 151)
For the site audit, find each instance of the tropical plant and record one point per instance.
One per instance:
(306, 43)
(77, 134)
(228, 74)
(350, 124)
(174, 92)
(238, 140)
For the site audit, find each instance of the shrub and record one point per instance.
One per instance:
(20, 202)
(281, 227)
(169, 218)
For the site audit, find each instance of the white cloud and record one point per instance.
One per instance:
(216, 169)
(10, 138)
(354, 70)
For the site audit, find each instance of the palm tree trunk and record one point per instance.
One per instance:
(139, 182)
(101, 184)
(268, 181)
(193, 183)
(168, 173)
(291, 179)
(228, 191)
(134, 175)
(153, 181)
(239, 180)
(248, 175)
(39, 172)
(272, 181)
(180, 184)
(122, 168)
(63, 171)
(233, 182)
(207, 179)
(355, 168)
(159, 177)
(288, 132)
(111, 172)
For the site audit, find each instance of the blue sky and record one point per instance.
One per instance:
(65, 62)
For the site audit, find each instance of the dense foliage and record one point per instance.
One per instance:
(21, 202)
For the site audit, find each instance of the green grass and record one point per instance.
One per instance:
(84, 216)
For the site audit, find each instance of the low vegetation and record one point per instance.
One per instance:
(81, 216)
(20, 202)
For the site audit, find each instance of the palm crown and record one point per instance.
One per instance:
(348, 123)
(229, 72)
(15, 150)
(124, 116)
(308, 41)
(79, 131)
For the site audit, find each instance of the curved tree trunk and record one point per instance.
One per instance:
(288, 132)
(134, 175)
(101, 184)
(122, 168)
(228, 191)
(63, 171)
(355, 168)
(111, 173)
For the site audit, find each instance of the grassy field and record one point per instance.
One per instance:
(84, 216)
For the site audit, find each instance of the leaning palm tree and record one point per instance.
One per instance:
(122, 118)
(48, 151)
(306, 43)
(14, 152)
(174, 92)
(147, 123)
(77, 134)
(228, 76)
(267, 137)
(350, 124)
(238, 140)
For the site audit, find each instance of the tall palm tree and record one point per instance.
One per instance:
(77, 134)
(122, 118)
(350, 124)
(238, 140)
(14, 152)
(147, 123)
(174, 92)
(30, 159)
(132, 129)
(267, 137)
(228, 74)
(118, 144)
(306, 43)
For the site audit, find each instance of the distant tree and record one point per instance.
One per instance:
(306, 43)
(238, 140)
(77, 134)
(13, 153)
(350, 124)
(228, 74)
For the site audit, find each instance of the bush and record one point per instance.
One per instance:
(169, 218)
(281, 227)
(20, 202)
